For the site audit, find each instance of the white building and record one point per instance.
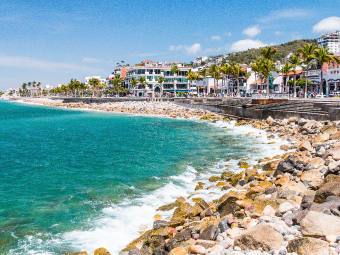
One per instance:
(87, 79)
(151, 71)
(198, 61)
(332, 41)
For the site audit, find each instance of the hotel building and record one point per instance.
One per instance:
(151, 71)
(332, 41)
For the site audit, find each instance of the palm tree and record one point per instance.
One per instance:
(24, 88)
(225, 70)
(215, 73)
(268, 52)
(267, 67)
(117, 81)
(160, 81)
(246, 76)
(94, 83)
(307, 54)
(236, 70)
(286, 68)
(256, 67)
(295, 61)
(191, 76)
(134, 82)
(324, 56)
(175, 70)
(142, 82)
(204, 74)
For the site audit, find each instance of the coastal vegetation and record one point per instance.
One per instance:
(283, 50)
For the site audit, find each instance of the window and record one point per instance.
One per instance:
(157, 71)
(168, 86)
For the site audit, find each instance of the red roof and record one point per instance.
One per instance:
(297, 72)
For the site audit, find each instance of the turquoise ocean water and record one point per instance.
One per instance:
(78, 180)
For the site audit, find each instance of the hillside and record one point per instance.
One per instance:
(283, 50)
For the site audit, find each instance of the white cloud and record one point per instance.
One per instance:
(330, 24)
(92, 60)
(278, 32)
(190, 50)
(246, 44)
(31, 63)
(229, 34)
(216, 38)
(286, 14)
(252, 31)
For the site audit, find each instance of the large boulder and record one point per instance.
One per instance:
(260, 236)
(318, 224)
(327, 189)
(284, 167)
(322, 137)
(335, 153)
(178, 251)
(101, 251)
(181, 212)
(209, 233)
(308, 246)
(314, 177)
(329, 130)
(316, 162)
(335, 136)
(227, 203)
(261, 202)
(305, 146)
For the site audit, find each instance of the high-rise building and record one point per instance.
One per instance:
(332, 41)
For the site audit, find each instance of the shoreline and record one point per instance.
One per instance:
(279, 195)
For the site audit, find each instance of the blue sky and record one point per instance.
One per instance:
(54, 41)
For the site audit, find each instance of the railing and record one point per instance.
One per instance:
(270, 96)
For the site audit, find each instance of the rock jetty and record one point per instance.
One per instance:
(283, 205)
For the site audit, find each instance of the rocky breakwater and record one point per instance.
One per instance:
(287, 204)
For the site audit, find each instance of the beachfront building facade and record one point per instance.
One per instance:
(328, 83)
(150, 72)
(332, 41)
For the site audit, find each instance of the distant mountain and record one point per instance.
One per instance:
(283, 50)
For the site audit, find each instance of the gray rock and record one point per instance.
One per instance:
(209, 233)
(223, 226)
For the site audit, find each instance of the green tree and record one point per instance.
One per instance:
(256, 67)
(236, 70)
(117, 82)
(203, 73)
(268, 52)
(160, 80)
(191, 76)
(175, 70)
(94, 83)
(295, 61)
(267, 66)
(285, 69)
(307, 54)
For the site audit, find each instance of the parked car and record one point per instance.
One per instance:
(320, 96)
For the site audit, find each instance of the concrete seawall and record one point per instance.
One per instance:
(309, 109)
(315, 109)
